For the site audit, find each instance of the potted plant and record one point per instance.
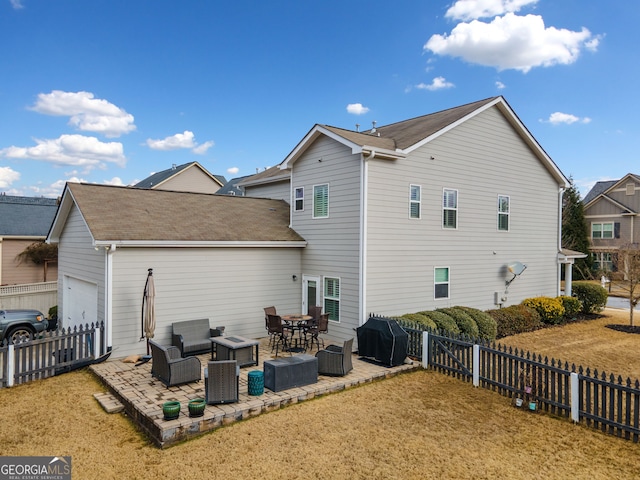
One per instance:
(171, 410)
(196, 407)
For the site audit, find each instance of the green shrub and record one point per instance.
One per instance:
(420, 319)
(443, 321)
(465, 323)
(592, 297)
(515, 319)
(572, 306)
(487, 326)
(550, 309)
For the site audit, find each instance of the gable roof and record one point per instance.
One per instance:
(232, 187)
(397, 140)
(26, 216)
(270, 175)
(137, 217)
(158, 178)
(604, 186)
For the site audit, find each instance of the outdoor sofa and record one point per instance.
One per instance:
(192, 337)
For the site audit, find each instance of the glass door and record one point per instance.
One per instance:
(311, 294)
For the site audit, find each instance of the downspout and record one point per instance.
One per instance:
(108, 295)
(364, 182)
(560, 194)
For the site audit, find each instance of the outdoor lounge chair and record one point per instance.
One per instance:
(192, 337)
(221, 380)
(335, 360)
(170, 368)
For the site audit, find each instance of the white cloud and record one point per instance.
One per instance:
(559, 117)
(512, 42)
(357, 109)
(87, 113)
(202, 148)
(8, 176)
(500, 85)
(71, 150)
(17, 4)
(117, 181)
(233, 170)
(438, 83)
(473, 9)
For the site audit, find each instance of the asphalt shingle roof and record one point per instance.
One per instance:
(133, 214)
(26, 216)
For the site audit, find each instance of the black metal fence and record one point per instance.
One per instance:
(596, 399)
(50, 354)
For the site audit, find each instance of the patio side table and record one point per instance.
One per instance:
(256, 382)
(235, 348)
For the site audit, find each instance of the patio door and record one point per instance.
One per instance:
(311, 294)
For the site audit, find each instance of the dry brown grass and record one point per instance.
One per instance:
(417, 425)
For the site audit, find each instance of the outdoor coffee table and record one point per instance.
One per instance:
(235, 348)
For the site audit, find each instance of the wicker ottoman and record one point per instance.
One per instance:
(290, 372)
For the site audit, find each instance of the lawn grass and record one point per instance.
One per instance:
(416, 425)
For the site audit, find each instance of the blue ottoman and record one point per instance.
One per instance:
(256, 382)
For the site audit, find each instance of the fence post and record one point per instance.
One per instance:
(96, 343)
(425, 349)
(11, 365)
(476, 365)
(575, 397)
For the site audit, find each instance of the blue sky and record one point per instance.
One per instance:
(111, 91)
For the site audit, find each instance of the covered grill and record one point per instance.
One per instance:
(383, 339)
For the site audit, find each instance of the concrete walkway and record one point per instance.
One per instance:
(142, 396)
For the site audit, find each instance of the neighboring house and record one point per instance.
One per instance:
(190, 177)
(611, 209)
(23, 221)
(416, 215)
(232, 187)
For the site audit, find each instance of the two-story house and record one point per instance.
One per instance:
(611, 208)
(416, 215)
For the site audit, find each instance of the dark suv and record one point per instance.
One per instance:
(21, 323)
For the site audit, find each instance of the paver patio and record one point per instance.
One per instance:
(142, 396)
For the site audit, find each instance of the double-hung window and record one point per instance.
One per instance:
(414, 201)
(503, 213)
(450, 208)
(298, 199)
(602, 230)
(441, 282)
(332, 298)
(321, 201)
(602, 261)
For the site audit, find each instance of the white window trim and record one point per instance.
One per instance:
(507, 213)
(313, 214)
(295, 199)
(448, 208)
(448, 283)
(418, 202)
(339, 299)
(602, 224)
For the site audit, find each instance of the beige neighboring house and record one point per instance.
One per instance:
(23, 221)
(611, 209)
(189, 177)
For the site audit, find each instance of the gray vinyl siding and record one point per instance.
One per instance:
(276, 191)
(481, 158)
(230, 286)
(191, 180)
(78, 258)
(333, 242)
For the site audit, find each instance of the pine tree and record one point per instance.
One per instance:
(575, 230)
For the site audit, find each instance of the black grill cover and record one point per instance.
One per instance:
(383, 339)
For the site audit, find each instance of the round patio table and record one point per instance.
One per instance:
(296, 321)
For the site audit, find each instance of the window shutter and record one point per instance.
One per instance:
(616, 230)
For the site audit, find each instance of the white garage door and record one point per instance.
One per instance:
(80, 302)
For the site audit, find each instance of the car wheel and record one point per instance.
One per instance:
(17, 333)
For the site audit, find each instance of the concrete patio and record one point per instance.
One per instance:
(142, 396)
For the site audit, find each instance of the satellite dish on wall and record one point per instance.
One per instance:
(516, 269)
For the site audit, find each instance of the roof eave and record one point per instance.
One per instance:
(201, 243)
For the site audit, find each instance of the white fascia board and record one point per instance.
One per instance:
(59, 221)
(200, 244)
(382, 153)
